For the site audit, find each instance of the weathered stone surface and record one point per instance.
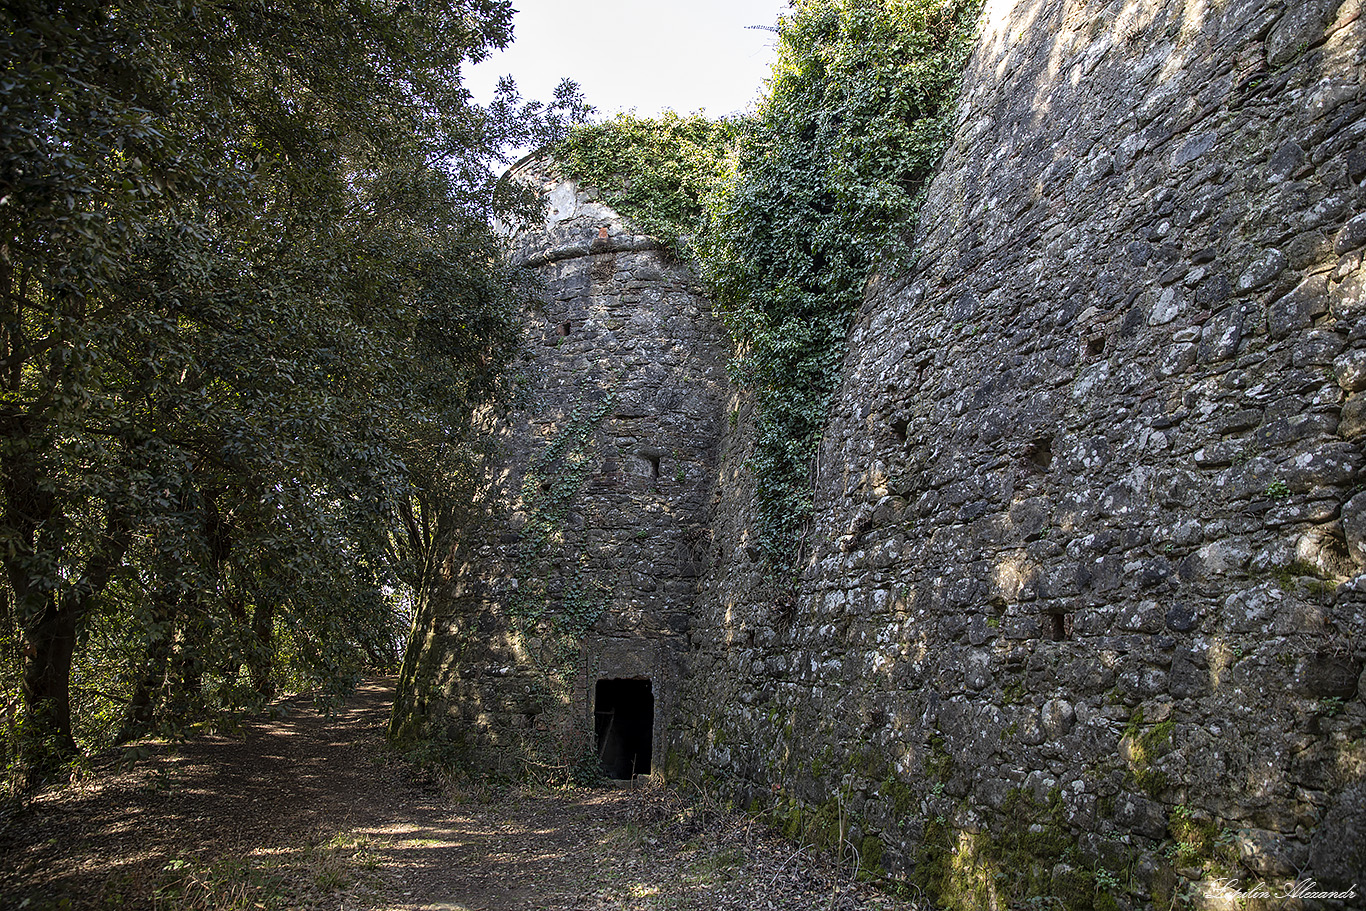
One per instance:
(1298, 309)
(1301, 27)
(1347, 298)
(1181, 300)
(1262, 271)
(590, 535)
(1351, 370)
(1337, 853)
(1270, 854)
(1352, 422)
(1352, 235)
(1108, 542)
(1138, 814)
(1328, 675)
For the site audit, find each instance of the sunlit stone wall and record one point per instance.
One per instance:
(1090, 519)
(581, 553)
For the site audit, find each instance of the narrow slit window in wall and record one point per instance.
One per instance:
(1039, 452)
(624, 718)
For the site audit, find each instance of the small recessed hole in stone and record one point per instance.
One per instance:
(564, 329)
(650, 462)
(624, 719)
(1096, 346)
(899, 429)
(1058, 633)
(1039, 452)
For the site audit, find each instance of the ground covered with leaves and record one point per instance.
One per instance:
(301, 811)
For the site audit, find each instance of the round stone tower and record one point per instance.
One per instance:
(560, 630)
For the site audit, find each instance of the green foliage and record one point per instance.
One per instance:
(1197, 841)
(248, 296)
(827, 181)
(788, 212)
(656, 172)
(1029, 859)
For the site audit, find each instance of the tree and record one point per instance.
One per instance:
(244, 253)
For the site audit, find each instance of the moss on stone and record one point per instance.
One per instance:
(1029, 858)
(823, 827)
(938, 764)
(673, 765)
(870, 853)
(900, 794)
(1144, 744)
(869, 763)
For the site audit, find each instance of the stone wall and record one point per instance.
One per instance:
(1081, 614)
(583, 562)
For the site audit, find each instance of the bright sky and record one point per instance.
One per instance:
(646, 56)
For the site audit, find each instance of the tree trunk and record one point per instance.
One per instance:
(185, 679)
(261, 663)
(141, 715)
(49, 646)
(49, 635)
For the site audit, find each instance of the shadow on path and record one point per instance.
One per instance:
(303, 811)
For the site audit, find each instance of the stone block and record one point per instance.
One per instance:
(1324, 465)
(1262, 271)
(1141, 816)
(1352, 235)
(1354, 527)
(1347, 298)
(1350, 370)
(1298, 308)
(1317, 348)
(1058, 718)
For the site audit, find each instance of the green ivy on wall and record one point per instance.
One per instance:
(550, 489)
(789, 211)
(655, 172)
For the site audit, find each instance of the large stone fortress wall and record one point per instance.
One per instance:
(584, 558)
(1089, 514)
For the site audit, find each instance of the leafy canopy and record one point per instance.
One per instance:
(247, 283)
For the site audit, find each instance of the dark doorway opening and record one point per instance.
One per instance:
(624, 715)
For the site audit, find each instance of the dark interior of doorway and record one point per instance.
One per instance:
(624, 713)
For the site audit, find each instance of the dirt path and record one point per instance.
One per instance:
(310, 812)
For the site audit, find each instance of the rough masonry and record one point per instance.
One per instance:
(584, 564)
(1082, 613)
(1089, 511)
